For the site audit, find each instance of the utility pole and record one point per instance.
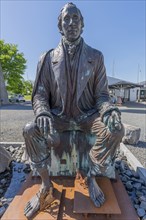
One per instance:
(138, 74)
(113, 69)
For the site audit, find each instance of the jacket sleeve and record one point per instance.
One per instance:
(41, 91)
(102, 98)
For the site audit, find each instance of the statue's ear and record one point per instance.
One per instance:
(60, 27)
(61, 32)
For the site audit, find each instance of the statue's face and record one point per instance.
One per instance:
(71, 23)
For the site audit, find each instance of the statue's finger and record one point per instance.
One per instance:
(38, 122)
(111, 123)
(106, 119)
(50, 126)
(117, 116)
(41, 125)
(45, 127)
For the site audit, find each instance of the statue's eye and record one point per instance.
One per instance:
(66, 18)
(75, 18)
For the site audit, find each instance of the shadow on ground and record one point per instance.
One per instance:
(135, 111)
(134, 105)
(17, 106)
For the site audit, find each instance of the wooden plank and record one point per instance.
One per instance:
(83, 203)
(29, 189)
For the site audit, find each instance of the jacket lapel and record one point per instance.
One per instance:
(85, 69)
(58, 66)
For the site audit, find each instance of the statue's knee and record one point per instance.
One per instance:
(29, 129)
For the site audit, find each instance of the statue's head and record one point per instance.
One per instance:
(70, 22)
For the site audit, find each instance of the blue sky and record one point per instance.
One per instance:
(117, 28)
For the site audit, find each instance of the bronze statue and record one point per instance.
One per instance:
(71, 93)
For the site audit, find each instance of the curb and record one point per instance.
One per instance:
(15, 144)
(136, 165)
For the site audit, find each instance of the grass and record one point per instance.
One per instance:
(27, 97)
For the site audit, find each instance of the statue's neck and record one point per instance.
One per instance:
(70, 43)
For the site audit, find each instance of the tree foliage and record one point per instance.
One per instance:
(27, 87)
(13, 66)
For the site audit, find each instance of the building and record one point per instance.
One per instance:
(127, 91)
(143, 91)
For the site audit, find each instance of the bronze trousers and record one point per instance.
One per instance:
(102, 153)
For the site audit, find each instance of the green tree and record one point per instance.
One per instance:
(27, 87)
(13, 66)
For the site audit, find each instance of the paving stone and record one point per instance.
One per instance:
(137, 186)
(128, 178)
(122, 166)
(144, 217)
(139, 193)
(135, 174)
(138, 180)
(124, 179)
(128, 173)
(142, 198)
(2, 210)
(143, 205)
(136, 206)
(141, 212)
(11, 149)
(136, 201)
(129, 186)
(3, 181)
(118, 160)
(1, 191)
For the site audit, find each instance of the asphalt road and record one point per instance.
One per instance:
(13, 118)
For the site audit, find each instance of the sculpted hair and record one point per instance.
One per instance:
(68, 5)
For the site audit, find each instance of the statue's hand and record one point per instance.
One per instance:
(46, 127)
(113, 121)
(43, 122)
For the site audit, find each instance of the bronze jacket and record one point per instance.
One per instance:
(50, 88)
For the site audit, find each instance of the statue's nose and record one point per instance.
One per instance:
(71, 21)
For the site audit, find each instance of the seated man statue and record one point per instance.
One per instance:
(71, 93)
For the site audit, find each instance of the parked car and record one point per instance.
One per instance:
(16, 98)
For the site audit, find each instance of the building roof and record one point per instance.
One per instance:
(143, 83)
(115, 83)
